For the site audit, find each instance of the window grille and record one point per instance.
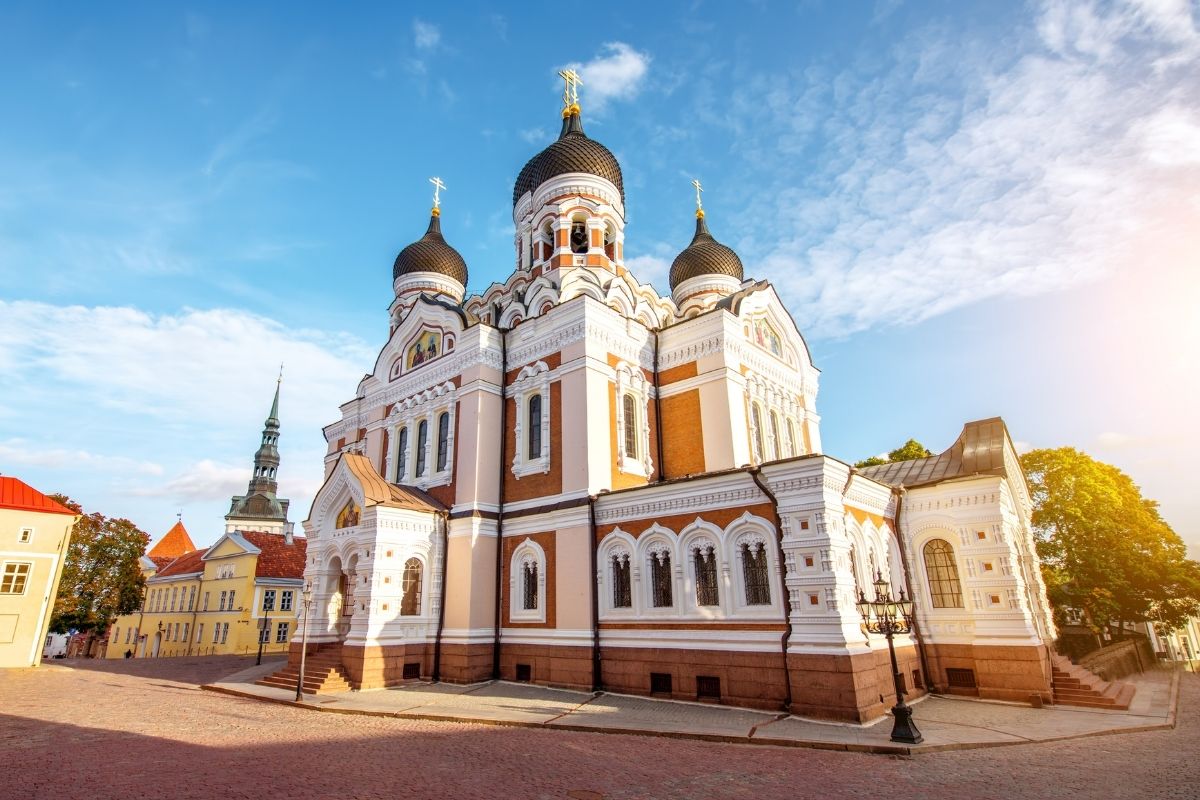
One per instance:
(629, 409)
(622, 594)
(530, 586)
(960, 678)
(534, 440)
(708, 687)
(402, 454)
(412, 670)
(754, 571)
(660, 579)
(422, 441)
(945, 590)
(443, 440)
(524, 673)
(706, 575)
(410, 588)
(660, 683)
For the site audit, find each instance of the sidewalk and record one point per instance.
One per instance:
(947, 723)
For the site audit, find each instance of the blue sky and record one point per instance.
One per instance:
(970, 209)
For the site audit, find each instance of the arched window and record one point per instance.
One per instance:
(660, 578)
(410, 587)
(944, 588)
(529, 585)
(443, 440)
(791, 429)
(756, 420)
(854, 571)
(422, 441)
(776, 442)
(402, 454)
(705, 561)
(629, 408)
(622, 593)
(535, 427)
(755, 575)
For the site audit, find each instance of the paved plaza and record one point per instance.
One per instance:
(144, 728)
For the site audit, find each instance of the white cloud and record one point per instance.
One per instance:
(534, 135)
(953, 171)
(650, 269)
(27, 453)
(426, 35)
(616, 74)
(204, 480)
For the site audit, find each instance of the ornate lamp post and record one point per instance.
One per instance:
(890, 616)
(307, 600)
(264, 633)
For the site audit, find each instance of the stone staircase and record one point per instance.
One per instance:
(1075, 686)
(323, 672)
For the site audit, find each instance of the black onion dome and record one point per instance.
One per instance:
(430, 253)
(704, 256)
(573, 152)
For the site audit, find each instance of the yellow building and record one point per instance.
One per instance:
(34, 534)
(218, 601)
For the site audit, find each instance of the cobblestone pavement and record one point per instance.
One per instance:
(144, 729)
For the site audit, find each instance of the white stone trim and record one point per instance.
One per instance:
(528, 552)
(533, 380)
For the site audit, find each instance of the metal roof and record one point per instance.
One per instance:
(978, 450)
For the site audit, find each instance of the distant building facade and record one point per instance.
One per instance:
(222, 599)
(35, 532)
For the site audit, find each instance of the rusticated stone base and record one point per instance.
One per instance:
(1001, 672)
(377, 667)
(563, 667)
(751, 680)
(855, 688)
(466, 663)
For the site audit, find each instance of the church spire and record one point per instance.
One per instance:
(260, 509)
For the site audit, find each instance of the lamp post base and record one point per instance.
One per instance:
(904, 729)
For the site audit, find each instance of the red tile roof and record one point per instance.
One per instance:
(160, 561)
(175, 543)
(278, 559)
(17, 494)
(184, 564)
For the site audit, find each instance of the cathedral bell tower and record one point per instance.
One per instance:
(569, 200)
(259, 509)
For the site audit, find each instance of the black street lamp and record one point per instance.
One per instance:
(307, 600)
(264, 633)
(889, 617)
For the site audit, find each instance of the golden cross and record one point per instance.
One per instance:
(571, 90)
(699, 189)
(437, 187)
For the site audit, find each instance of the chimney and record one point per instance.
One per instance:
(288, 538)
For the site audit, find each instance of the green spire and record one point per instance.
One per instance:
(274, 415)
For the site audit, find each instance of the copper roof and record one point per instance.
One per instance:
(175, 543)
(378, 492)
(18, 495)
(430, 253)
(978, 450)
(572, 152)
(705, 256)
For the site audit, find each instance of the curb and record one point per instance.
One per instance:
(766, 741)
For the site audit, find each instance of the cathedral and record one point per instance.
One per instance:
(572, 480)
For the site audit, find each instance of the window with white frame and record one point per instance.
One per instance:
(192, 599)
(410, 588)
(268, 603)
(704, 567)
(199, 633)
(791, 438)
(776, 441)
(527, 583)
(531, 428)
(225, 571)
(186, 631)
(221, 605)
(662, 577)
(756, 575)
(422, 427)
(756, 431)
(281, 632)
(25, 536)
(633, 394)
(264, 632)
(622, 579)
(231, 604)
(217, 633)
(224, 632)
(285, 600)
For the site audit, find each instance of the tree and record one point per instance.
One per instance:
(1105, 548)
(905, 452)
(102, 576)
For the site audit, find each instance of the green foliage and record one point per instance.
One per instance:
(905, 452)
(102, 576)
(1105, 548)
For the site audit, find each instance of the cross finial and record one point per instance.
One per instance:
(699, 204)
(437, 200)
(570, 90)
(279, 380)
